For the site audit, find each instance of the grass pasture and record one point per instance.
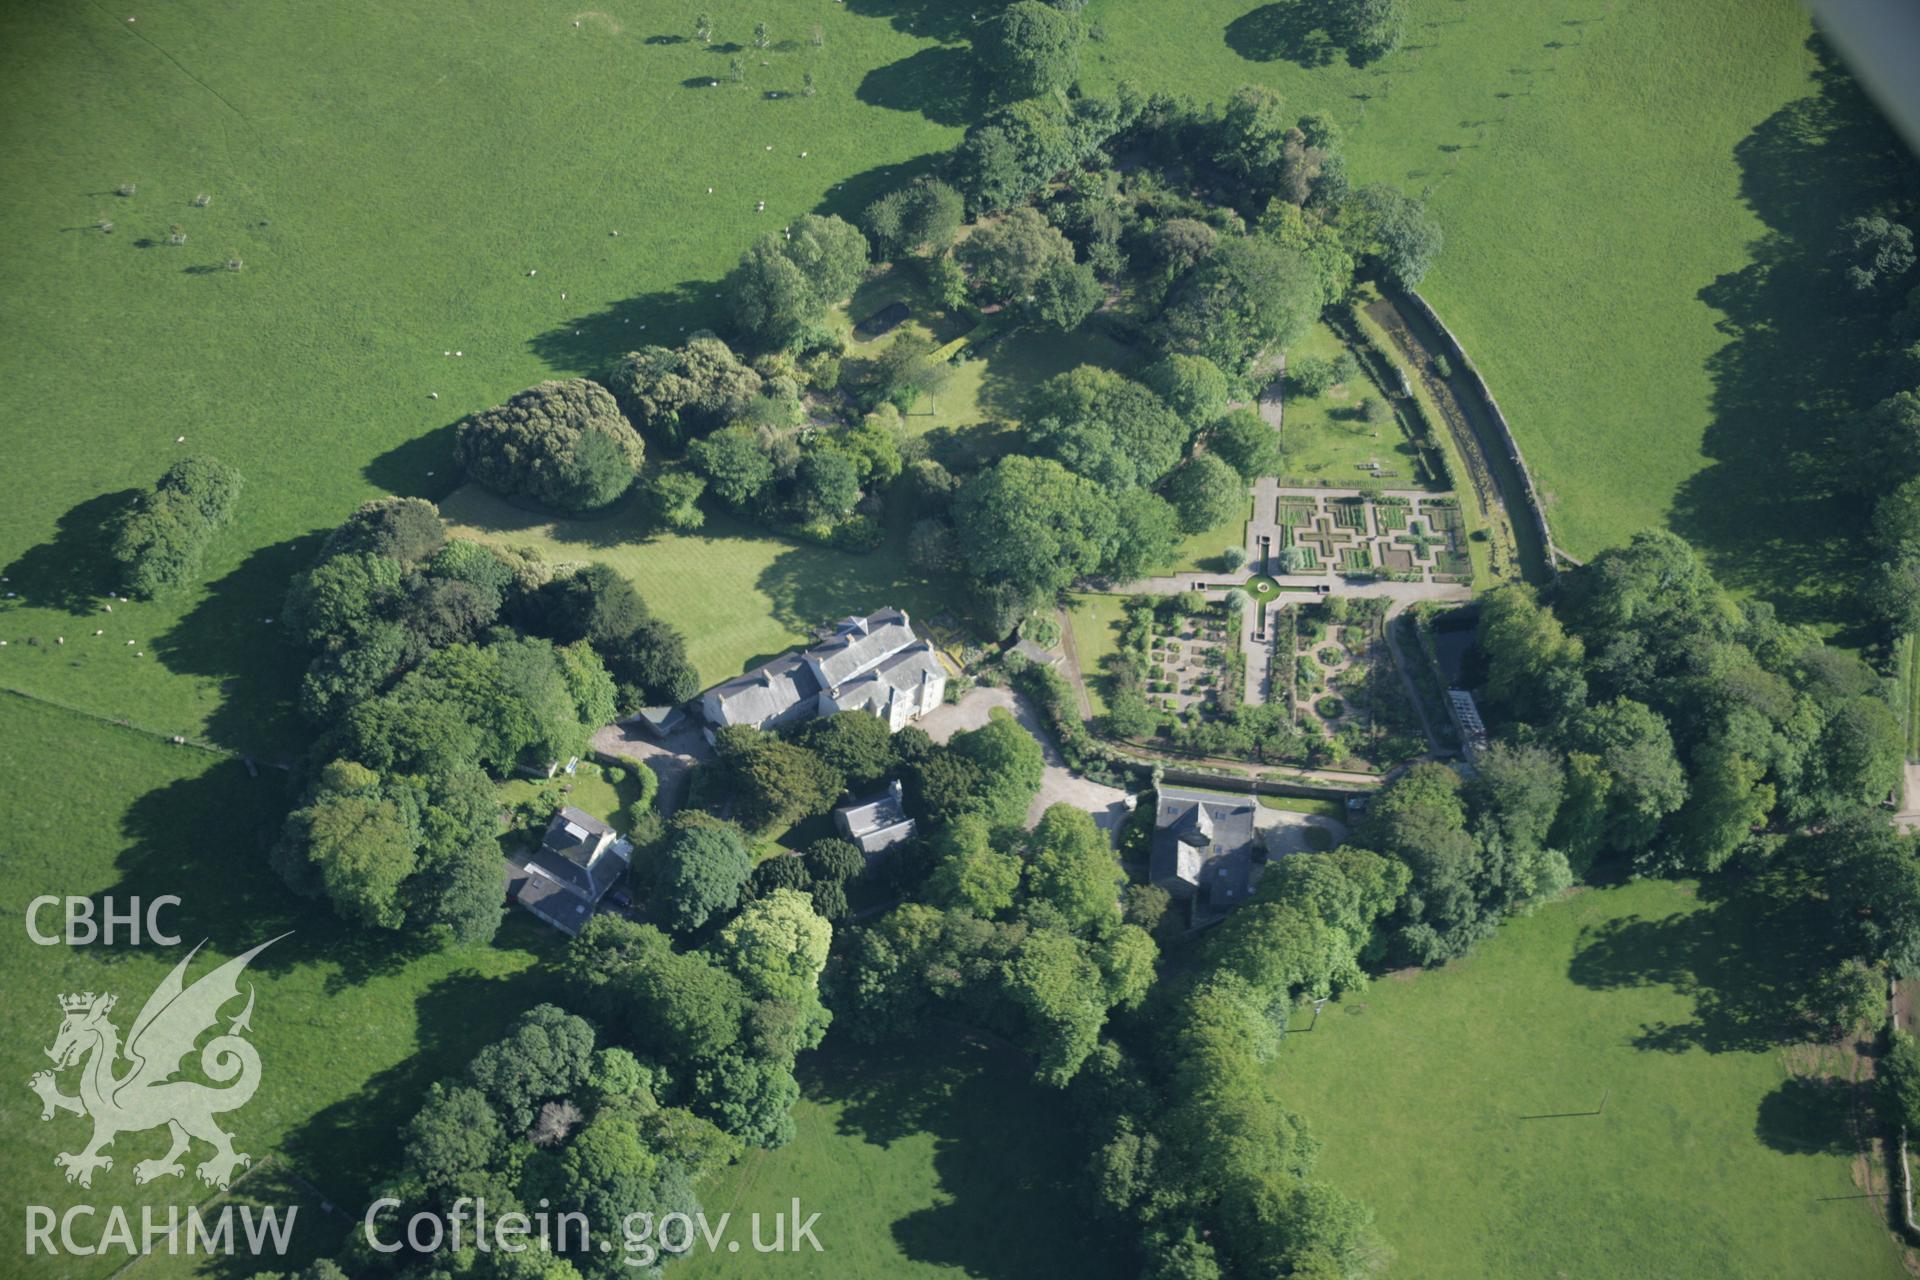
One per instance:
(389, 175)
(937, 1158)
(351, 1028)
(1452, 1101)
(1627, 190)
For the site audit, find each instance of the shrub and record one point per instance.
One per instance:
(564, 444)
(1311, 375)
(161, 539)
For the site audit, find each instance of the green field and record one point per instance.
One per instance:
(1718, 1152)
(1616, 181)
(938, 1158)
(740, 595)
(359, 163)
(351, 1027)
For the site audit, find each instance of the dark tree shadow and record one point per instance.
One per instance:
(939, 83)
(1774, 510)
(347, 1147)
(422, 467)
(1010, 1169)
(1807, 1116)
(76, 569)
(1745, 963)
(1292, 31)
(944, 20)
(665, 40)
(235, 635)
(589, 344)
(851, 195)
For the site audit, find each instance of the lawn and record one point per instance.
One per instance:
(938, 1158)
(1096, 621)
(351, 1027)
(1443, 1098)
(389, 175)
(1613, 180)
(1328, 444)
(739, 595)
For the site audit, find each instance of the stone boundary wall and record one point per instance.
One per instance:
(1457, 354)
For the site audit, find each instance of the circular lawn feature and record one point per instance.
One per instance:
(1330, 707)
(1261, 587)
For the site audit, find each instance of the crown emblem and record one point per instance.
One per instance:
(77, 1003)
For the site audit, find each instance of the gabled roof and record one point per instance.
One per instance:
(1194, 829)
(768, 691)
(860, 643)
(877, 821)
(903, 672)
(560, 905)
(567, 853)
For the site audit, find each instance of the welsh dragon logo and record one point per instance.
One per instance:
(144, 1095)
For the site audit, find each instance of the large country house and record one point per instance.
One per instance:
(873, 664)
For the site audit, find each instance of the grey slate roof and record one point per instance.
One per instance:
(878, 821)
(905, 671)
(1203, 838)
(859, 643)
(566, 854)
(558, 904)
(768, 692)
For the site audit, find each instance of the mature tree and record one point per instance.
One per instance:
(1250, 295)
(736, 464)
(1206, 491)
(456, 1134)
(1399, 233)
(1533, 665)
(852, 743)
(162, 537)
(407, 530)
(1032, 526)
(1030, 49)
(774, 783)
(650, 667)
(1007, 260)
(919, 217)
(783, 288)
(672, 500)
(1180, 244)
(1054, 979)
(702, 870)
(1148, 535)
(1071, 869)
(1067, 294)
(1010, 766)
(1643, 781)
(1246, 442)
(1898, 1075)
(673, 395)
(826, 485)
(1879, 254)
(359, 844)
(1106, 427)
(970, 874)
(565, 444)
(1370, 29)
(544, 1057)
(1873, 889)
(1192, 386)
(777, 947)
